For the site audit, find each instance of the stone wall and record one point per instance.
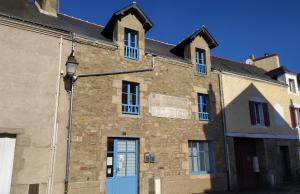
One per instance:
(97, 116)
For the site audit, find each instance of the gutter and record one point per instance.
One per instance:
(69, 141)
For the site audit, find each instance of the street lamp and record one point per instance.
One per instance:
(71, 66)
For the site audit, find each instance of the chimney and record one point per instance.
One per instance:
(268, 62)
(49, 7)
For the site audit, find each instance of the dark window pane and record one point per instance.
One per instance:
(110, 145)
(124, 87)
(133, 99)
(124, 98)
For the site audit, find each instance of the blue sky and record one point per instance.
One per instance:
(241, 27)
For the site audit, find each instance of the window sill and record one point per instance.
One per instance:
(261, 126)
(203, 121)
(131, 60)
(294, 94)
(202, 175)
(200, 75)
(130, 115)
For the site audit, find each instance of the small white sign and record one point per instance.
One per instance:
(109, 161)
(108, 170)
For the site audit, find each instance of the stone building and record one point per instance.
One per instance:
(145, 116)
(142, 129)
(261, 111)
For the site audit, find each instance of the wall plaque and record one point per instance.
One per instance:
(169, 106)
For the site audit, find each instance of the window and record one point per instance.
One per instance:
(130, 98)
(131, 50)
(200, 61)
(203, 107)
(200, 157)
(259, 113)
(292, 86)
(295, 117)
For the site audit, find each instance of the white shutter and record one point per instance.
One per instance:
(7, 151)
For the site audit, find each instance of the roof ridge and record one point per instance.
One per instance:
(81, 20)
(161, 41)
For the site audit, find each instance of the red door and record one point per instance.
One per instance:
(245, 150)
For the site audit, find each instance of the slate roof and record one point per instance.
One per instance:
(221, 64)
(26, 11)
(278, 72)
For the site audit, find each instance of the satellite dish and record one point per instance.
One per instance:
(249, 62)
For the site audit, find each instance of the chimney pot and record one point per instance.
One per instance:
(252, 57)
(48, 6)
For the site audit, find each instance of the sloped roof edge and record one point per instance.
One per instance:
(132, 8)
(212, 43)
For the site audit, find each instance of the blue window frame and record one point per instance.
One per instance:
(130, 98)
(200, 61)
(131, 49)
(200, 157)
(203, 112)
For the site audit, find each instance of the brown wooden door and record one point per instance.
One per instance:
(245, 150)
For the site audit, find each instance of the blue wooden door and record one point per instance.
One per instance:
(122, 163)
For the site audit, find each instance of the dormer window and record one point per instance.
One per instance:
(200, 61)
(131, 50)
(292, 86)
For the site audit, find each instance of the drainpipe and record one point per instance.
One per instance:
(71, 106)
(227, 160)
(69, 138)
(52, 159)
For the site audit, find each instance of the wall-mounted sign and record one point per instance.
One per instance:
(169, 106)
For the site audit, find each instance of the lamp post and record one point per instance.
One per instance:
(69, 80)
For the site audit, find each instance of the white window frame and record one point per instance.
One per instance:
(292, 86)
(293, 77)
(297, 117)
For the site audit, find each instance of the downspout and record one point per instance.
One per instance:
(69, 138)
(227, 160)
(55, 125)
(71, 106)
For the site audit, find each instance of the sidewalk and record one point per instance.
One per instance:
(281, 189)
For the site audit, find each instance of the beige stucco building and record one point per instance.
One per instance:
(260, 105)
(34, 106)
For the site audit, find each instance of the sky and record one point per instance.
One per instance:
(240, 27)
